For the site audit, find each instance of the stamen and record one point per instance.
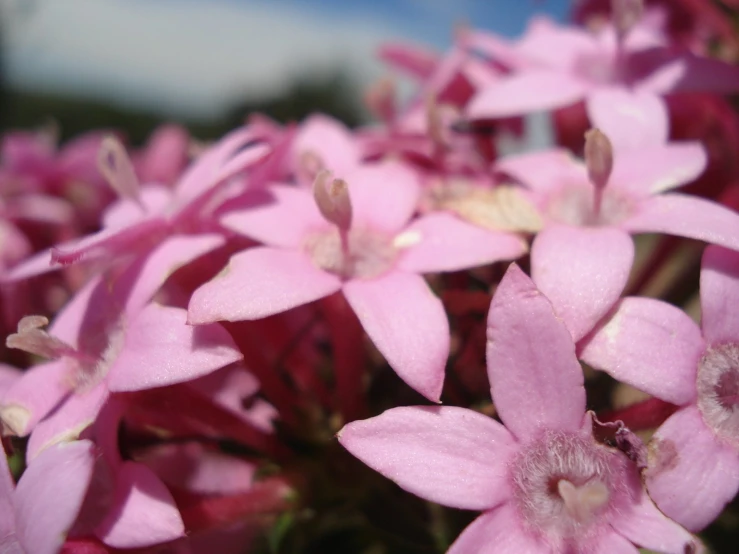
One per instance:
(582, 502)
(380, 99)
(599, 161)
(33, 340)
(334, 203)
(116, 167)
(626, 14)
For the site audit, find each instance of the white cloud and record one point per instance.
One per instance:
(187, 57)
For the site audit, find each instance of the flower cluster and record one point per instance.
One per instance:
(207, 331)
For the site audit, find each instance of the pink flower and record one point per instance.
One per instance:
(590, 225)
(694, 456)
(555, 66)
(369, 249)
(546, 485)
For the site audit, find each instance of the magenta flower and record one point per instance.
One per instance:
(361, 242)
(110, 338)
(546, 485)
(590, 223)
(555, 66)
(694, 456)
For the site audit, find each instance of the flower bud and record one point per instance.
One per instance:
(598, 157)
(332, 199)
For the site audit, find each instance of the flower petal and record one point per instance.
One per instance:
(613, 543)
(646, 526)
(529, 91)
(534, 375)
(407, 323)
(50, 494)
(686, 216)
(330, 140)
(260, 282)
(383, 195)
(650, 345)
(279, 215)
(443, 242)
(582, 270)
(143, 511)
(719, 290)
(498, 531)
(8, 538)
(452, 456)
(160, 349)
(691, 475)
(630, 119)
(544, 170)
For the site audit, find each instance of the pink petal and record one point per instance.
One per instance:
(453, 456)
(408, 325)
(499, 531)
(8, 539)
(143, 511)
(613, 543)
(582, 270)
(525, 92)
(383, 195)
(543, 171)
(719, 290)
(50, 494)
(688, 72)
(650, 345)
(279, 215)
(536, 380)
(693, 475)
(260, 282)
(156, 199)
(161, 349)
(8, 376)
(34, 395)
(35, 265)
(415, 60)
(669, 166)
(442, 242)
(148, 274)
(67, 422)
(630, 119)
(686, 216)
(646, 526)
(331, 140)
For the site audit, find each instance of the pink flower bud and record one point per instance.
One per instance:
(598, 157)
(332, 198)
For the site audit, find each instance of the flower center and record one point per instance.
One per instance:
(366, 253)
(564, 484)
(718, 390)
(574, 205)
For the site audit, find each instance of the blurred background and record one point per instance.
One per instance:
(132, 64)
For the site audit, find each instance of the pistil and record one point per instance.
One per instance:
(333, 201)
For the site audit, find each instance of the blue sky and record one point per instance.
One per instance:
(198, 57)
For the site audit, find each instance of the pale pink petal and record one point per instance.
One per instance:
(260, 282)
(279, 215)
(686, 216)
(582, 271)
(35, 265)
(142, 280)
(536, 380)
(383, 195)
(50, 494)
(34, 395)
(143, 511)
(630, 119)
(156, 199)
(495, 47)
(669, 166)
(646, 526)
(407, 323)
(613, 543)
(691, 475)
(8, 539)
(65, 424)
(160, 349)
(650, 345)
(550, 44)
(543, 171)
(719, 290)
(8, 376)
(330, 140)
(41, 208)
(443, 242)
(525, 92)
(453, 456)
(498, 531)
(415, 60)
